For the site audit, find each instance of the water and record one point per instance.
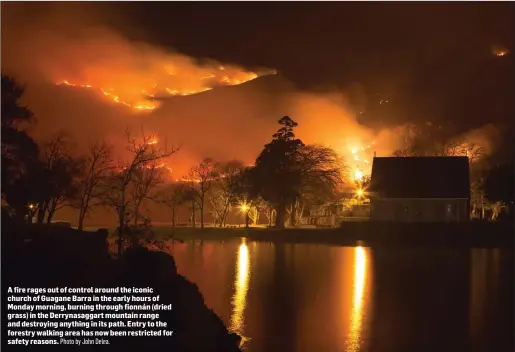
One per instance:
(307, 297)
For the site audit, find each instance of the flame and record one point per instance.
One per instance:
(357, 159)
(153, 141)
(498, 50)
(141, 96)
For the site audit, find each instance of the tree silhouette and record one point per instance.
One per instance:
(143, 152)
(62, 172)
(97, 164)
(223, 192)
(277, 175)
(173, 195)
(202, 177)
(18, 149)
(145, 180)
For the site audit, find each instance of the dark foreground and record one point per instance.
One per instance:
(396, 289)
(68, 258)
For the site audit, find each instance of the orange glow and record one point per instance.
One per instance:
(358, 175)
(241, 287)
(140, 96)
(360, 271)
(499, 50)
(357, 160)
(153, 141)
(359, 192)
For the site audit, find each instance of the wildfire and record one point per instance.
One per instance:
(500, 51)
(141, 96)
(358, 161)
(153, 141)
(160, 166)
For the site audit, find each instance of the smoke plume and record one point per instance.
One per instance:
(90, 80)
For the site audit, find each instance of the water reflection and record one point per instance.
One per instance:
(484, 291)
(308, 297)
(354, 342)
(241, 286)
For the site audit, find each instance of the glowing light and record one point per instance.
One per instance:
(357, 157)
(153, 141)
(241, 286)
(360, 271)
(359, 192)
(500, 50)
(31, 206)
(244, 207)
(139, 104)
(358, 175)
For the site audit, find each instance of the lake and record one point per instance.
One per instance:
(313, 297)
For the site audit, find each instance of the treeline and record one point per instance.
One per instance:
(287, 176)
(40, 178)
(491, 182)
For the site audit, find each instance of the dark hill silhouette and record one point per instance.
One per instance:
(50, 256)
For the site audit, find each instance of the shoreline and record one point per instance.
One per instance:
(470, 234)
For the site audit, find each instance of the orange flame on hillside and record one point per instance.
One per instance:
(141, 96)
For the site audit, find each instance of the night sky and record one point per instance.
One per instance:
(431, 61)
(395, 49)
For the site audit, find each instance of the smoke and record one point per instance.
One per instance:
(487, 137)
(90, 80)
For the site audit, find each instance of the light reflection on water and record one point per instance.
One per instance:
(358, 300)
(241, 286)
(309, 297)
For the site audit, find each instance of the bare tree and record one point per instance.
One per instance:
(66, 176)
(143, 152)
(223, 192)
(172, 196)
(461, 148)
(254, 211)
(448, 148)
(401, 152)
(191, 197)
(269, 213)
(61, 171)
(202, 177)
(97, 166)
(321, 175)
(146, 178)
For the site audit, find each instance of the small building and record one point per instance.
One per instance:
(420, 189)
